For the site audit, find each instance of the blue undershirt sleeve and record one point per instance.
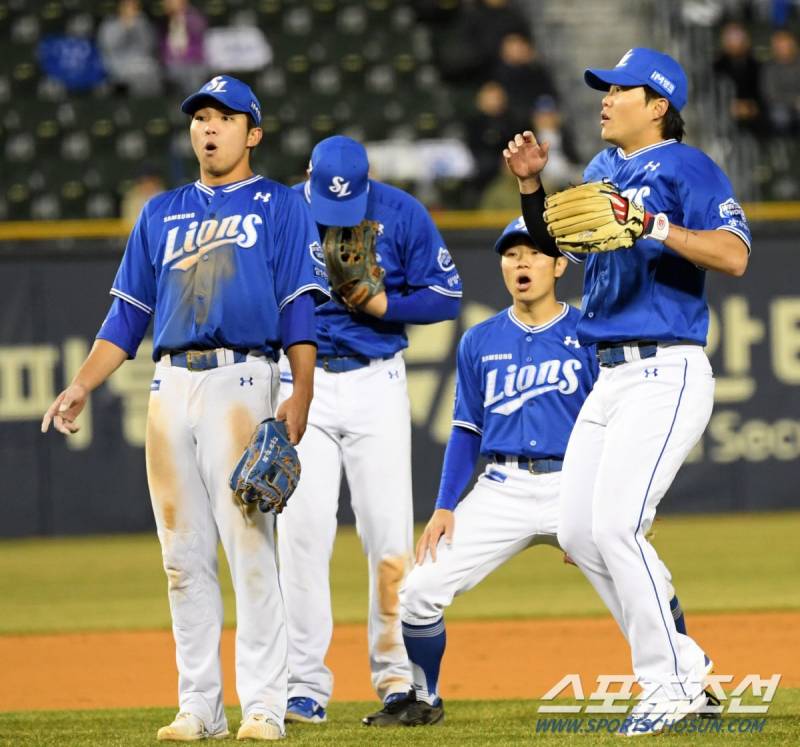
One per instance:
(460, 459)
(298, 321)
(421, 306)
(124, 325)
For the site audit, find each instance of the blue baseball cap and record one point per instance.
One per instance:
(339, 179)
(229, 92)
(514, 232)
(641, 66)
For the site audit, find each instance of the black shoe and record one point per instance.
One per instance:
(711, 700)
(419, 713)
(389, 715)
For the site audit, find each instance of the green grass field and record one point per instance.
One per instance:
(719, 563)
(748, 561)
(507, 722)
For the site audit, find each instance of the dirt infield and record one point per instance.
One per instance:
(484, 660)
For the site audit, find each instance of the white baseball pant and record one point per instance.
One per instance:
(359, 422)
(634, 431)
(199, 423)
(507, 510)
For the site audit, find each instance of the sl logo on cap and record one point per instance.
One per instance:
(217, 84)
(624, 59)
(340, 187)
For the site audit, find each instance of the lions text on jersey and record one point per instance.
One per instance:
(522, 387)
(215, 265)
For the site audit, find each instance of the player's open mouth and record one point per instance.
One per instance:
(523, 282)
(603, 118)
(209, 147)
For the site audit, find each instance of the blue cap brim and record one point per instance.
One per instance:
(192, 104)
(507, 239)
(602, 80)
(338, 212)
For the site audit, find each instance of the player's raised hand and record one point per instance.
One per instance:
(525, 157)
(65, 408)
(441, 523)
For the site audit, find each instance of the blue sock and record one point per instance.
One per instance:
(677, 615)
(425, 647)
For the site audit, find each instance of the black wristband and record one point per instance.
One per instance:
(532, 213)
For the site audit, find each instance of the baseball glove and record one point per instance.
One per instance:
(593, 217)
(269, 469)
(353, 270)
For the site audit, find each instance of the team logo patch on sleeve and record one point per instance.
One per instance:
(316, 253)
(732, 211)
(445, 260)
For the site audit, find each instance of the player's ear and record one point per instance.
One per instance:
(660, 107)
(254, 135)
(560, 268)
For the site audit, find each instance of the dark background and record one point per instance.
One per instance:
(56, 293)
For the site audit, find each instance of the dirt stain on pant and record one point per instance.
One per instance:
(391, 572)
(161, 474)
(241, 425)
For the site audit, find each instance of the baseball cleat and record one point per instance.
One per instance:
(394, 705)
(653, 716)
(305, 711)
(713, 708)
(419, 713)
(188, 728)
(258, 726)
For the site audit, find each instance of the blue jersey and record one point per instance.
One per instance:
(521, 387)
(650, 292)
(412, 252)
(215, 265)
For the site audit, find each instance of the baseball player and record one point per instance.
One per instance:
(359, 423)
(224, 266)
(522, 377)
(645, 310)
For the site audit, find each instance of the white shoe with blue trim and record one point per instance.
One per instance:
(305, 711)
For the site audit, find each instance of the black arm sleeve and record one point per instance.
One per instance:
(532, 209)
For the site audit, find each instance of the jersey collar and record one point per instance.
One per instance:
(205, 189)
(541, 327)
(646, 149)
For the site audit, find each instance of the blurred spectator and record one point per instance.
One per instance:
(238, 47)
(522, 74)
(468, 35)
(183, 45)
(147, 184)
(73, 61)
(128, 46)
(780, 81)
(496, 19)
(737, 64)
(488, 131)
(502, 193)
(563, 160)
